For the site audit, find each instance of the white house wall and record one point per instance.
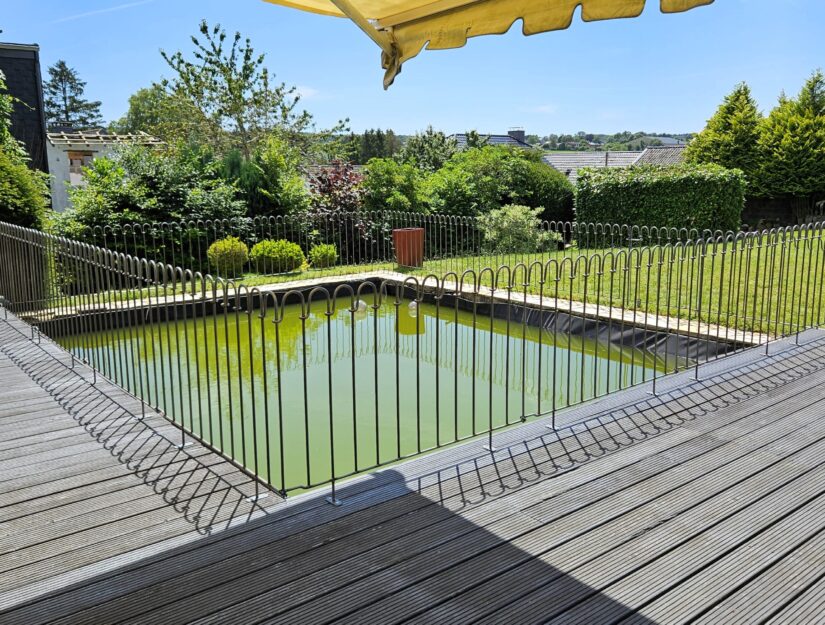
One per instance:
(61, 178)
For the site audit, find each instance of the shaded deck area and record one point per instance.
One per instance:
(703, 504)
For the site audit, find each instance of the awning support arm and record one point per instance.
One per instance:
(381, 37)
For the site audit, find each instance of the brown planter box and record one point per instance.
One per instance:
(409, 246)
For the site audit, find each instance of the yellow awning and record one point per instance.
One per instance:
(403, 27)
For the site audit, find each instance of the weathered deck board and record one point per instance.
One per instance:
(706, 502)
(804, 608)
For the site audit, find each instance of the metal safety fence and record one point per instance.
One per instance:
(305, 387)
(364, 240)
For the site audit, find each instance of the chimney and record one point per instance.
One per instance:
(518, 134)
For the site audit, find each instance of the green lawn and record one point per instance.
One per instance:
(761, 286)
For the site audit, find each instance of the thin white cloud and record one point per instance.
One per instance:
(306, 92)
(119, 7)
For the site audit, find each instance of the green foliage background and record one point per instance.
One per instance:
(782, 155)
(731, 137)
(24, 192)
(394, 186)
(478, 180)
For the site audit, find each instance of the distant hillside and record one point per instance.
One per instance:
(620, 141)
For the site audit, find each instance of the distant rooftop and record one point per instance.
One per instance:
(670, 141)
(98, 138)
(31, 47)
(662, 155)
(515, 139)
(569, 163)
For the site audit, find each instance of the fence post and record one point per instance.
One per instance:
(702, 256)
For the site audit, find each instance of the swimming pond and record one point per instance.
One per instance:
(327, 393)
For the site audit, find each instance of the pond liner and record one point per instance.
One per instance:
(656, 341)
(666, 344)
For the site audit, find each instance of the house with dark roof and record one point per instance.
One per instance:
(569, 163)
(515, 138)
(20, 65)
(69, 151)
(662, 155)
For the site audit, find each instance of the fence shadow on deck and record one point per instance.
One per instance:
(186, 480)
(429, 547)
(534, 458)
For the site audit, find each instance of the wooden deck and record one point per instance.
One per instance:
(704, 504)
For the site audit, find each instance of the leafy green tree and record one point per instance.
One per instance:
(373, 143)
(23, 192)
(731, 137)
(479, 180)
(392, 144)
(226, 80)
(270, 182)
(139, 184)
(389, 185)
(475, 140)
(144, 111)
(428, 150)
(792, 146)
(167, 116)
(615, 147)
(64, 102)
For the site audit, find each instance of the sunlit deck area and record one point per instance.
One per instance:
(702, 504)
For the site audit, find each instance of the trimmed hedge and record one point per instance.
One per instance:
(682, 196)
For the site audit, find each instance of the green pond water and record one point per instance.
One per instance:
(358, 389)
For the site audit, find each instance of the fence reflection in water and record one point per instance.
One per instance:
(405, 376)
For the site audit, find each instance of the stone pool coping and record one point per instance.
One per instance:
(636, 318)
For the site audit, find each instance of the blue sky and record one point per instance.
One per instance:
(655, 73)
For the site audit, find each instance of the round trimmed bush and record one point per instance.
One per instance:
(323, 255)
(228, 256)
(280, 256)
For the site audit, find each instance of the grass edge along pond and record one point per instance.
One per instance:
(757, 284)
